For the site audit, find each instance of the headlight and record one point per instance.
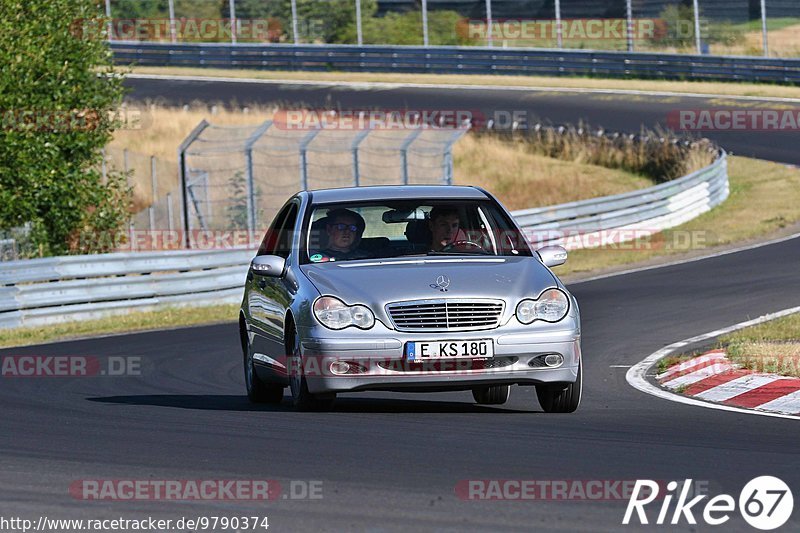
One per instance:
(335, 314)
(551, 306)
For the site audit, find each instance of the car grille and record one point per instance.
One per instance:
(445, 315)
(449, 365)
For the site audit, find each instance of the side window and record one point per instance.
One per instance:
(286, 234)
(271, 238)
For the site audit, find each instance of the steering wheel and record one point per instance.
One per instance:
(464, 244)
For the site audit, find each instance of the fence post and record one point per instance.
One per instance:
(303, 163)
(354, 147)
(629, 24)
(232, 8)
(559, 33)
(697, 40)
(425, 22)
(294, 22)
(195, 133)
(447, 171)
(169, 212)
(489, 41)
(252, 220)
(154, 185)
(172, 33)
(110, 23)
(404, 153)
(359, 34)
(764, 26)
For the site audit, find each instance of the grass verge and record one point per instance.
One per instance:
(695, 87)
(772, 347)
(137, 321)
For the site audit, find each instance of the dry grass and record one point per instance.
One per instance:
(783, 42)
(699, 87)
(519, 178)
(137, 321)
(523, 179)
(764, 198)
(771, 347)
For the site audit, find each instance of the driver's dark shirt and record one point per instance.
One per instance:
(356, 253)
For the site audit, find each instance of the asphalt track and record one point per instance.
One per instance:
(391, 462)
(619, 112)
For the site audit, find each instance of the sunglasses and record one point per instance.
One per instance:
(342, 227)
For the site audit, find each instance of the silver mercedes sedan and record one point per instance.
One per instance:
(406, 288)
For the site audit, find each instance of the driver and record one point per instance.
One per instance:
(444, 224)
(344, 229)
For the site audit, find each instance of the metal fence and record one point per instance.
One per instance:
(460, 60)
(720, 27)
(236, 178)
(155, 187)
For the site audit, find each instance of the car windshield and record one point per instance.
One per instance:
(351, 231)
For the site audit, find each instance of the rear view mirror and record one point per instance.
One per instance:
(552, 255)
(268, 265)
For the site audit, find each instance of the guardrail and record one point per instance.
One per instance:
(45, 291)
(621, 217)
(458, 60)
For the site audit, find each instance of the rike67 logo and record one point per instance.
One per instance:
(765, 503)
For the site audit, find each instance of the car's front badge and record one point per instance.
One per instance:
(442, 283)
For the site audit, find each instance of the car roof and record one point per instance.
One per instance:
(396, 192)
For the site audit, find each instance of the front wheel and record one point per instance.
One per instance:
(560, 399)
(301, 398)
(257, 390)
(494, 395)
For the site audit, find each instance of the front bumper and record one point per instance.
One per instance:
(379, 357)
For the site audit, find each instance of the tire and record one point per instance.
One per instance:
(494, 395)
(257, 390)
(302, 400)
(560, 399)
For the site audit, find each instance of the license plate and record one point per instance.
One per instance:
(428, 350)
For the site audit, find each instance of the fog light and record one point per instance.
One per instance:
(554, 359)
(340, 367)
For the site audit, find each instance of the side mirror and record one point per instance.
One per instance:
(552, 255)
(268, 265)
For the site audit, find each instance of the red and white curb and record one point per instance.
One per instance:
(712, 377)
(637, 375)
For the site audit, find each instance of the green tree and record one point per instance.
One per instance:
(57, 99)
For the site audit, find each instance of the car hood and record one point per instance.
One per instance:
(378, 282)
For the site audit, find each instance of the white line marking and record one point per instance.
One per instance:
(636, 375)
(685, 261)
(513, 88)
(619, 366)
(735, 387)
(785, 404)
(697, 375)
